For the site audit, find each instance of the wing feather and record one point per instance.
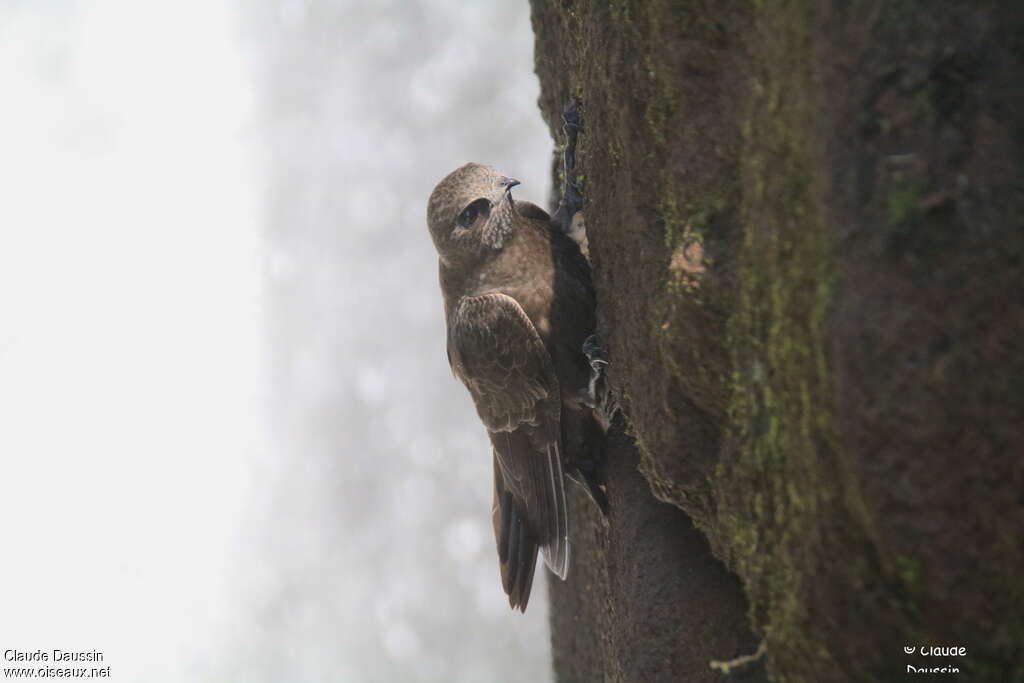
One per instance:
(498, 354)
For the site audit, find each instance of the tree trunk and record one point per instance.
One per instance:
(806, 223)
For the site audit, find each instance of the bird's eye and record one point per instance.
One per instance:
(481, 207)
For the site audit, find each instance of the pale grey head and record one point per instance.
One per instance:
(471, 212)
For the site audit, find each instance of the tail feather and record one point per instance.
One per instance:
(530, 512)
(556, 546)
(517, 550)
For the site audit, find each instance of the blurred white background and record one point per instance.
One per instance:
(230, 445)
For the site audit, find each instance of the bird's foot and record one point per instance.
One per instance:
(599, 395)
(572, 118)
(572, 197)
(595, 353)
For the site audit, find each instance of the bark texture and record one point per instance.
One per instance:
(806, 222)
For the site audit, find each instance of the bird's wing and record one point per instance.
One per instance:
(496, 352)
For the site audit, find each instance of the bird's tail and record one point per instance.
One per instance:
(530, 513)
(517, 550)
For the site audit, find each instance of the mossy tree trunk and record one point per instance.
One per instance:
(806, 222)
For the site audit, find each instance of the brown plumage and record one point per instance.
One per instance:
(519, 305)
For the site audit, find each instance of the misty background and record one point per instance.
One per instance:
(230, 444)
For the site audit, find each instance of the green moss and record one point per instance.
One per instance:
(909, 569)
(674, 222)
(780, 425)
(901, 201)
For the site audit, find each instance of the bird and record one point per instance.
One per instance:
(520, 310)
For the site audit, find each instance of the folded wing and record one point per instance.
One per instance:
(496, 352)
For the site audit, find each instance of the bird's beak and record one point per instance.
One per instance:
(508, 183)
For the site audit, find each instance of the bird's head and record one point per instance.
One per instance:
(470, 212)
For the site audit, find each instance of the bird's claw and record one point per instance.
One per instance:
(599, 395)
(572, 119)
(572, 197)
(595, 353)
